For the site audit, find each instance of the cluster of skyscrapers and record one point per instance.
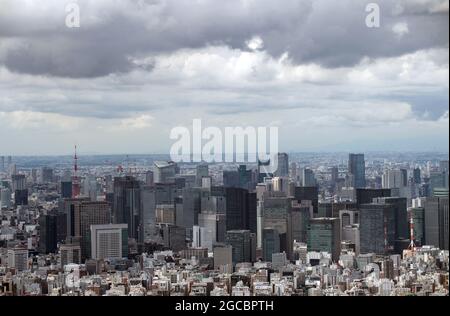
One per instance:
(304, 230)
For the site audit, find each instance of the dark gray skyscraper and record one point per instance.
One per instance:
(357, 168)
(377, 228)
(241, 243)
(127, 208)
(283, 165)
(436, 222)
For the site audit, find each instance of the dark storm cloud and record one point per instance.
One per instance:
(113, 33)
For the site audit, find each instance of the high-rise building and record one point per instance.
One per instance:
(308, 194)
(21, 197)
(400, 212)
(202, 171)
(241, 243)
(223, 258)
(271, 243)
(82, 214)
(48, 242)
(148, 200)
(18, 258)
(324, 235)
(377, 228)
(70, 254)
(357, 169)
(308, 178)
(46, 175)
(66, 189)
(283, 165)
(165, 171)
(127, 207)
(109, 241)
(240, 209)
(366, 196)
(18, 182)
(5, 198)
(417, 177)
(299, 222)
(437, 222)
(149, 178)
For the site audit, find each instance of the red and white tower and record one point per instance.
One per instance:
(75, 177)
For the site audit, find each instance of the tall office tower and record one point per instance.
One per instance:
(12, 168)
(334, 174)
(70, 253)
(240, 209)
(18, 258)
(324, 235)
(48, 238)
(357, 168)
(377, 228)
(281, 185)
(18, 182)
(443, 166)
(366, 196)
(417, 178)
(81, 215)
(223, 258)
(202, 171)
(165, 171)
(299, 219)
(149, 178)
(241, 243)
(276, 214)
(418, 218)
(246, 180)
(231, 179)
(127, 207)
(148, 200)
(213, 230)
(438, 180)
(308, 178)
(191, 208)
(109, 241)
(436, 222)
(46, 175)
(5, 197)
(271, 243)
(400, 209)
(283, 165)
(174, 237)
(2, 163)
(308, 194)
(394, 179)
(21, 197)
(293, 172)
(66, 189)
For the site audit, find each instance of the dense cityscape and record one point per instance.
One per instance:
(322, 225)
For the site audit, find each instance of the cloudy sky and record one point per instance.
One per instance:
(135, 69)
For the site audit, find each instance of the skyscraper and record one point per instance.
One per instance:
(324, 234)
(127, 208)
(437, 222)
(48, 234)
(109, 241)
(283, 165)
(240, 209)
(357, 168)
(271, 243)
(377, 228)
(241, 243)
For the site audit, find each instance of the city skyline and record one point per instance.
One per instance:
(314, 69)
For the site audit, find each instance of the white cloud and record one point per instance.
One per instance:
(400, 29)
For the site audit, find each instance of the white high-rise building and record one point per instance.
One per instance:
(109, 241)
(18, 258)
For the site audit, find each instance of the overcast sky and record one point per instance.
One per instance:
(136, 69)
